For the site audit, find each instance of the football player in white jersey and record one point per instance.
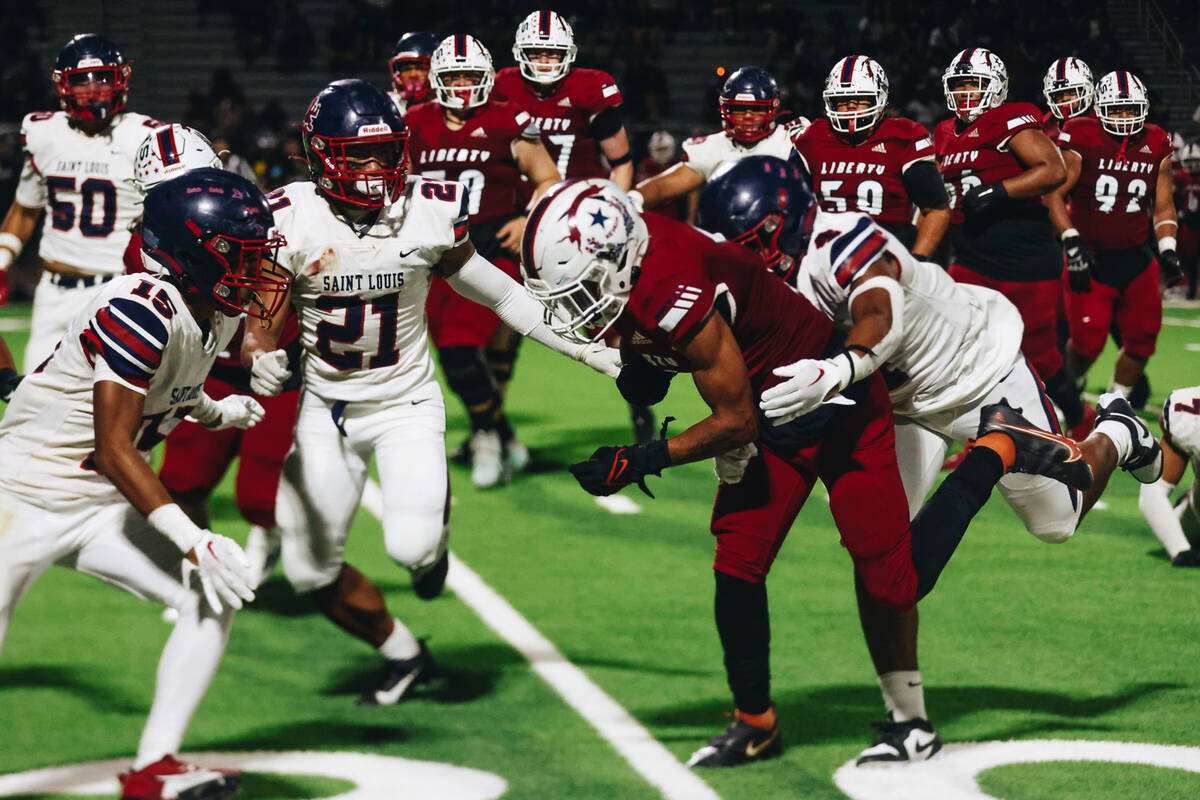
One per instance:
(363, 241)
(78, 166)
(749, 105)
(76, 488)
(1180, 444)
(948, 350)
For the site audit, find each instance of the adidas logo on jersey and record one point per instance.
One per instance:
(1145, 149)
(565, 102)
(879, 148)
(974, 134)
(479, 133)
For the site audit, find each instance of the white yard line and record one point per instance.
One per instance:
(657, 765)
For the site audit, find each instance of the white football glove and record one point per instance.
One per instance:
(224, 571)
(731, 466)
(236, 411)
(807, 387)
(601, 358)
(269, 372)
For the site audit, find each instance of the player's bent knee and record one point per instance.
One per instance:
(415, 540)
(1053, 532)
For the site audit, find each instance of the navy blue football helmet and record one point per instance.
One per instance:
(92, 78)
(749, 104)
(356, 144)
(764, 203)
(214, 237)
(409, 65)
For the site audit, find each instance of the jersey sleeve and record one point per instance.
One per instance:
(677, 305)
(1020, 117)
(698, 154)
(31, 189)
(130, 338)
(851, 252)
(918, 148)
(527, 127)
(1073, 136)
(602, 93)
(1181, 420)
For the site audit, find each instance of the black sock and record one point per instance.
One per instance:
(501, 363)
(468, 377)
(1064, 391)
(940, 524)
(744, 625)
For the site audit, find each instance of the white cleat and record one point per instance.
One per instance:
(487, 460)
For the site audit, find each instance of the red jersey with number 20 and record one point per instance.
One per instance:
(1111, 201)
(685, 273)
(564, 115)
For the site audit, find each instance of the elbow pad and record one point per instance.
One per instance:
(605, 124)
(924, 186)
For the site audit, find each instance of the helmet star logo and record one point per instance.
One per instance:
(598, 218)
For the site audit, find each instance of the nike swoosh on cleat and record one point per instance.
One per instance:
(388, 697)
(914, 683)
(752, 751)
(700, 755)
(1076, 453)
(921, 748)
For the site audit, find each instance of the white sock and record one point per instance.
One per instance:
(187, 666)
(1118, 434)
(903, 694)
(401, 645)
(1121, 389)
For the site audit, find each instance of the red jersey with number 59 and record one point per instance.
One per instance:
(564, 115)
(479, 155)
(864, 177)
(684, 274)
(1112, 200)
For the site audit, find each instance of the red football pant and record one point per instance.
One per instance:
(455, 321)
(196, 458)
(856, 460)
(1038, 303)
(1136, 309)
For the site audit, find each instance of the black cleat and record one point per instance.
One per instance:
(1186, 558)
(398, 677)
(739, 743)
(429, 583)
(914, 740)
(1145, 461)
(1039, 452)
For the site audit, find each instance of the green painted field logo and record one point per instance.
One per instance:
(372, 776)
(952, 773)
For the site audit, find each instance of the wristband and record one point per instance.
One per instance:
(1166, 243)
(171, 522)
(1068, 233)
(625, 159)
(854, 363)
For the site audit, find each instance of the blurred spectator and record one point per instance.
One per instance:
(663, 155)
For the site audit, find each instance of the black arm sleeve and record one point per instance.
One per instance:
(605, 124)
(924, 185)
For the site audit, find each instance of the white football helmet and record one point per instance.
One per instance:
(662, 147)
(1189, 157)
(857, 77)
(1065, 75)
(168, 151)
(985, 67)
(1120, 89)
(544, 30)
(582, 245)
(459, 54)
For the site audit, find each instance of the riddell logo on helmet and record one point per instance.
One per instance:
(375, 129)
(90, 61)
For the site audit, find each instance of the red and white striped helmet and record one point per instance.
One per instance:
(1065, 75)
(855, 77)
(583, 243)
(544, 30)
(984, 66)
(1120, 89)
(461, 54)
(170, 150)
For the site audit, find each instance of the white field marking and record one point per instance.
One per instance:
(1192, 347)
(8, 324)
(655, 763)
(952, 773)
(1181, 322)
(374, 776)
(618, 504)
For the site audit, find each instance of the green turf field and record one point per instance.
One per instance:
(1094, 639)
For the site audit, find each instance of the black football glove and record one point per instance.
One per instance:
(641, 383)
(9, 380)
(610, 469)
(1168, 267)
(1079, 265)
(982, 199)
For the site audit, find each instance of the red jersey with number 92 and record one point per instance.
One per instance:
(1111, 201)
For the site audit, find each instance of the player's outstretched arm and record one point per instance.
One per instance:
(261, 355)
(477, 279)
(1154, 501)
(675, 182)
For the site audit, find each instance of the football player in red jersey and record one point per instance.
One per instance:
(1068, 89)
(859, 160)
(487, 145)
(576, 109)
(1187, 204)
(683, 302)
(409, 68)
(1114, 161)
(998, 164)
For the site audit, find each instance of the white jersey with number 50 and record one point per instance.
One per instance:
(959, 341)
(85, 184)
(361, 298)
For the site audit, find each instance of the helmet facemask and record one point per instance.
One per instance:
(584, 309)
(859, 113)
(410, 77)
(748, 121)
(252, 283)
(1132, 117)
(1069, 101)
(970, 94)
(93, 93)
(544, 64)
(367, 171)
(462, 88)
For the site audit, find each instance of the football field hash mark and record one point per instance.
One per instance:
(657, 765)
